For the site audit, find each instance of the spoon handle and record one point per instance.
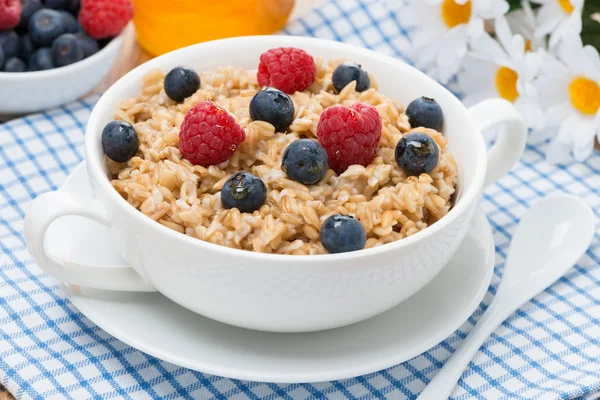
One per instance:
(443, 382)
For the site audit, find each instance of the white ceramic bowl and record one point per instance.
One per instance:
(279, 292)
(27, 92)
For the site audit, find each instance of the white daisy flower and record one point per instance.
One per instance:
(522, 21)
(442, 29)
(569, 89)
(503, 68)
(559, 18)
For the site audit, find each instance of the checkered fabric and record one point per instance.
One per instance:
(549, 349)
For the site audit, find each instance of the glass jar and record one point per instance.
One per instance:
(162, 26)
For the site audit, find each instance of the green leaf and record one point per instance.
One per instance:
(514, 5)
(590, 33)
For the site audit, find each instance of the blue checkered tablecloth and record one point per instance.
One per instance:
(549, 349)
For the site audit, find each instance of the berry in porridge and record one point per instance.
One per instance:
(348, 72)
(222, 167)
(244, 191)
(273, 106)
(417, 153)
(209, 135)
(181, 83)
(425, 112)
(349, 135)
(287, 69)
(342, 233)
(305, 161)
(119, 141)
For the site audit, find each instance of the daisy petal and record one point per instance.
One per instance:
(584, 140)
(488, 48)
(568, 128)
(558, 153)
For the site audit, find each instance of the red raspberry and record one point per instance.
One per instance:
(103, 19)
(286, 68)
(10, 14)
(209, 135)
(349, 135)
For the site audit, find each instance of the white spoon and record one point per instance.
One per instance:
(549, 240)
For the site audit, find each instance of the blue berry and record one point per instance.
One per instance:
(244, 191)
(66, 50)
(70, 21)
(1, 58)
(9, 41)
(14, 64)
(425, 112)
(68, 5)
(29, 8)
(348, 72)
(305, 161)
(26, 47)
(89, 45)
(341, 233)
(272, 106)
(119, 141)
(417, 153)
(41, 60)
(46, 25)
(181, 83)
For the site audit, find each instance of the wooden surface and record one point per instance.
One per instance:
(4, 395)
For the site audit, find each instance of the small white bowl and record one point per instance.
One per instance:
(27, 92)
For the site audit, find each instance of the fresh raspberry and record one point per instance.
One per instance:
(286, 68)
(209, 135)
(349, 135)
(103, 19)
(10, 14)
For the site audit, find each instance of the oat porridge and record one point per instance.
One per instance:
(316, 161)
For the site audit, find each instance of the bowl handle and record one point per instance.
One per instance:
(510, 145)
(48, 207)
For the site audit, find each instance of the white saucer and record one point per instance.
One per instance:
(155, 325)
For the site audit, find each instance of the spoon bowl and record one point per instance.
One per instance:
(549, 240)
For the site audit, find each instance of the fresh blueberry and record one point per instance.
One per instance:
(119, 141)
(89, 45)
(244, 191)
(29, 8)
(14, 64)
(348, 72)
(341, 233)
(181, 83)
(272, 106)
(425, 112)
(1, 58)
(70, 21)
(417, 153)
(41, 60)
(66, 50)
(9, 41)
(26, 47)
(46, 25)
(71, 6)
(305, 161)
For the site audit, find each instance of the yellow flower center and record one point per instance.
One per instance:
(585, 95)
(506, 83)
(528, 45)
(566, 6)
(455, 14)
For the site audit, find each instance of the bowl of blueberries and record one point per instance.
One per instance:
(52, 52)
